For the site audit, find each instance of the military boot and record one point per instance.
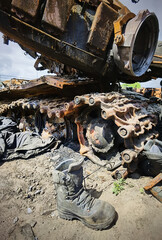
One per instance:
(73, 202)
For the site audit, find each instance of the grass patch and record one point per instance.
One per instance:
(142, 191)
(118, 186)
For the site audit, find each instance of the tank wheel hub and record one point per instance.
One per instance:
(100, 135)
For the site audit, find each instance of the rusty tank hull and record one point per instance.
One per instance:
(98, 38)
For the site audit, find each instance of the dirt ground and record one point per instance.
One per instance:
(28, 203)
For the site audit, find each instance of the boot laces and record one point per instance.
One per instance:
(83, 198)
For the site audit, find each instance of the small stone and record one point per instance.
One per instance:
(27, 232)
(30, 195)
(55, 158)
(19, 190)
(42, 191)
(30, 188)
(29, 210)
(34, 188)
(47, 212)
(37, 192)
(16, 219)
(54, 213)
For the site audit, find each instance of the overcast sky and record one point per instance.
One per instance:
(14, 63)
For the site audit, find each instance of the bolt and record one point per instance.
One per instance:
(123, 132)
(77, 100)
(126, 157)
(103, 114)
(91, 100)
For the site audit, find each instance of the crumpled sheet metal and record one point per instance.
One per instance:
(46, 85)
(58, 82)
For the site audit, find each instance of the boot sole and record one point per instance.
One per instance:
(70, 216)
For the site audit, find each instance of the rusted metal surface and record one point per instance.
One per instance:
(57, 13)
(135, 128)
(111, 127)
(102, 27)
(28, 7)
(153, 182)
(12, 83)
(50, 46)
(67, 39)
(58, 107)
(121, 172)
(91, 2)
(118, 26)
(157, 192)
(47, 85)
(112, 3)
(137, 65)
(157, 59)
(109, 140)
(155, 187)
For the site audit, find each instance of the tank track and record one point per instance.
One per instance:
(112, 128)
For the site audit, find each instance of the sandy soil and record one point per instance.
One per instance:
(28, 204)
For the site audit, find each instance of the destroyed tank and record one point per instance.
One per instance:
(91, 46)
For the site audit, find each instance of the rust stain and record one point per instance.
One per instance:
(57, 13)
(153, 182)
(102, 27)
(27, 6)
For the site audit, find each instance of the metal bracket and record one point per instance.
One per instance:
(118, 25)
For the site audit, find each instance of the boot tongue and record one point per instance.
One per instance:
(75, 165)
(75, 179)
(69, 165)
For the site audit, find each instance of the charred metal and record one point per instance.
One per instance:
(91, 45)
